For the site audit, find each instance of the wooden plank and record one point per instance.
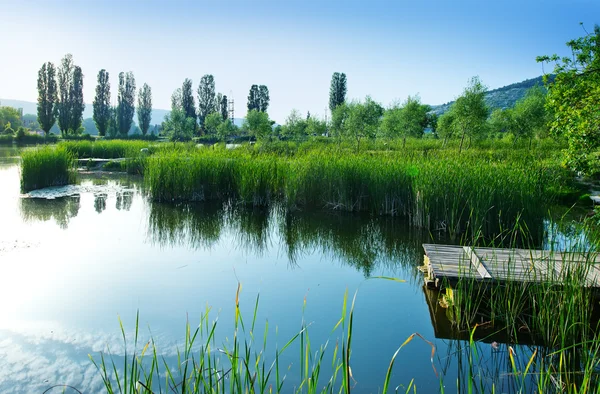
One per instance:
(472, 256)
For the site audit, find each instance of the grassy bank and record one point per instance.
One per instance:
(46, 166)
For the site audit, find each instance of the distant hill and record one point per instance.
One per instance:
(504, 97)
(158, 115)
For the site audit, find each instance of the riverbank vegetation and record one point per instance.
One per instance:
(47, 166)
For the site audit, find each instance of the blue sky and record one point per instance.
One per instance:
(388, 49)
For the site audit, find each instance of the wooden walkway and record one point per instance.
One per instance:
(449, 263)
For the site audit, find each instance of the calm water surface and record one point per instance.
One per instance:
(72, 266)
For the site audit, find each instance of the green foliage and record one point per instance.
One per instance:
(188, 104)
(8, 129)
(102, 109)
(315, 127)
(258, 125)
(47, 97)
(70, 96)
(295, 127)
(574, 98)
(125, 102)
(408, 120)
(337, 90)
(470, 111)
(144, 109)
(206, 98)
(258, 98)
(47, 166)
(225, 130)
(10, 117)
(179, 127)
(212, 123)
(223, 107)
(363, 120)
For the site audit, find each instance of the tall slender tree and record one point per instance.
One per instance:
(65, 78)
(125, 102)
(337, 90)
(46, 108)
(102, 102)
(223, 108)
(254, 98)
(187, 99)
(77, 105)
(263, 94)
(206, 98)
(144, 109)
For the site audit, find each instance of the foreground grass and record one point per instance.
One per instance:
(244, 363)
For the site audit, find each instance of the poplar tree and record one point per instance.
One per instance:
(253, 98)
(337, 90)
(187, 99)
(125, 102)
(144, 109)
(224, 109)
(102, 110)
(206, 98)
(70, 96)
(47, 96)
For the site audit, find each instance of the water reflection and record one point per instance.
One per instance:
(100, 202)
(61, 210)
(124, 201)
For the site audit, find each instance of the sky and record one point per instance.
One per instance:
(388, 49)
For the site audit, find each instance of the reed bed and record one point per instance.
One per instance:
(456, 193)
(46, 166)
(105, 149)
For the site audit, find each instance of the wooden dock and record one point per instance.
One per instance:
(447, 264)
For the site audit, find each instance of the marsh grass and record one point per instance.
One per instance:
(46, 166)
(238, 365)
(484, 190)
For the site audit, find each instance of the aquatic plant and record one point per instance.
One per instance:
(46, 166)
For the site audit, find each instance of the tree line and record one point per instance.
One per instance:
(60, 98)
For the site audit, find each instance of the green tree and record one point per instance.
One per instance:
(125, 102)
(315, 126)
(470, 111)
(102, 102)
(339, 117)
(206, 98)
(253, 99)
(258, 125)
(446, 126)
(363, 120)
(77, 104)
(212, 123)
(337, 90)
(178, 126)
(47, 96)
(70, 96)
(112, 129)
(65, 81)
(294, 127)
(573, 100)
(258, 98)
(187, 99)
(225, 130)
(530, 115)
(144, 109)
(263, 96)
(223, 108)
(432, 122)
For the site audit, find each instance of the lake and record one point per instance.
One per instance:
(73, 266)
